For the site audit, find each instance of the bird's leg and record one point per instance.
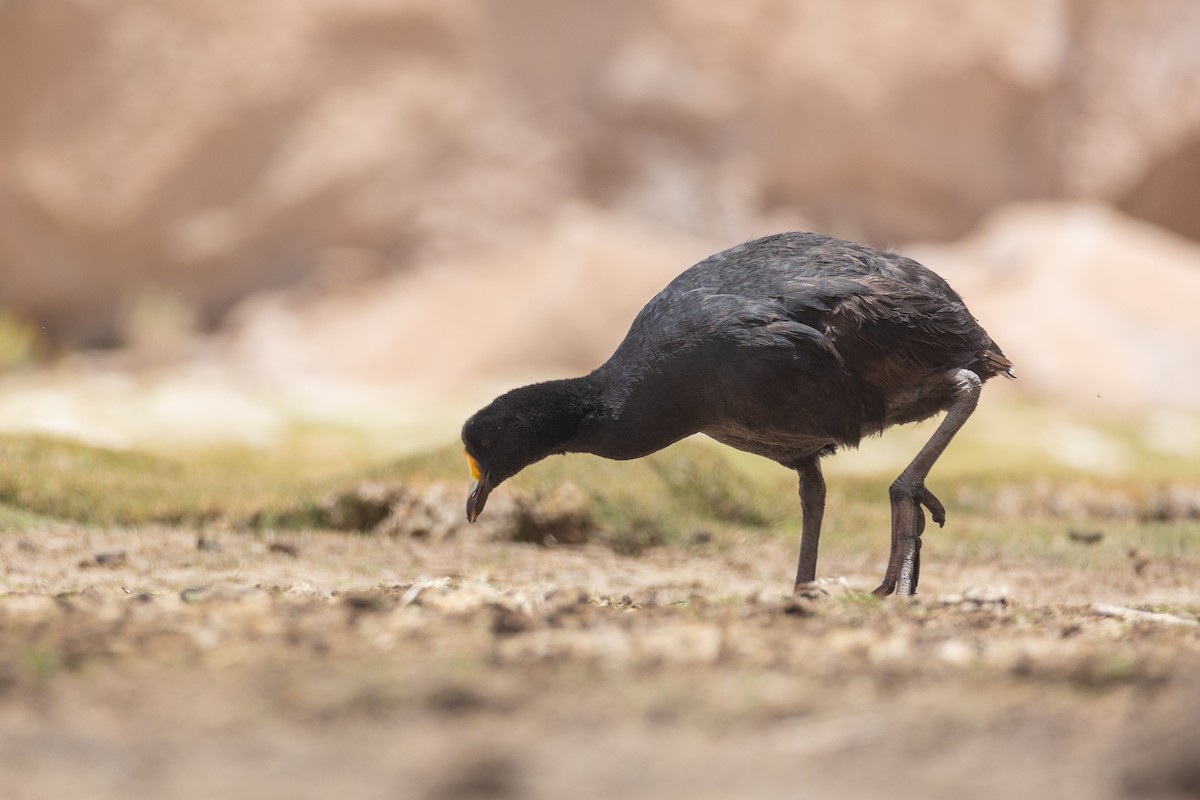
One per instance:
(812, 504)
(908, 493)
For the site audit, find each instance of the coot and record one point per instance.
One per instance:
(788, 347)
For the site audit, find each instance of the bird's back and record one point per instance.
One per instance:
(798, 341)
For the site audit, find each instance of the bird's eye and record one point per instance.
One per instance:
(485, 443)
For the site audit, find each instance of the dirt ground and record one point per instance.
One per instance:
(160, 662)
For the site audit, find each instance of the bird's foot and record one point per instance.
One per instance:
(908, 523)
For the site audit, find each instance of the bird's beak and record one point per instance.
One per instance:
(480, 488)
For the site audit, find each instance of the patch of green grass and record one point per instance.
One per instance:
(996, 508)
(638, 504)
(19, 519)
(46, 478)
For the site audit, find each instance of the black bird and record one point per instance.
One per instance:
(788, 346)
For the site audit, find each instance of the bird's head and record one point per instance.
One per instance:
(497, 444)
(516, 430)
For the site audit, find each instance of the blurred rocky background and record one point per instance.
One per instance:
(323, 199)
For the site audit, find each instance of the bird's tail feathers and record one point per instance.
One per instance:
(999, 364)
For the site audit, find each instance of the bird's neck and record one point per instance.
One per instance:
(595, 414)
(630, 417)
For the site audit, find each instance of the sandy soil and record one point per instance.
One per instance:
(136, 664)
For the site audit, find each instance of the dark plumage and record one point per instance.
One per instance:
(787, 346)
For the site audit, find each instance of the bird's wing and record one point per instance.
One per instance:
(788, 323)
(802, 297)
(900, 330)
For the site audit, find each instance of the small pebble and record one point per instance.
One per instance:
(111, 560)
(285, 549)
(1085, 537)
